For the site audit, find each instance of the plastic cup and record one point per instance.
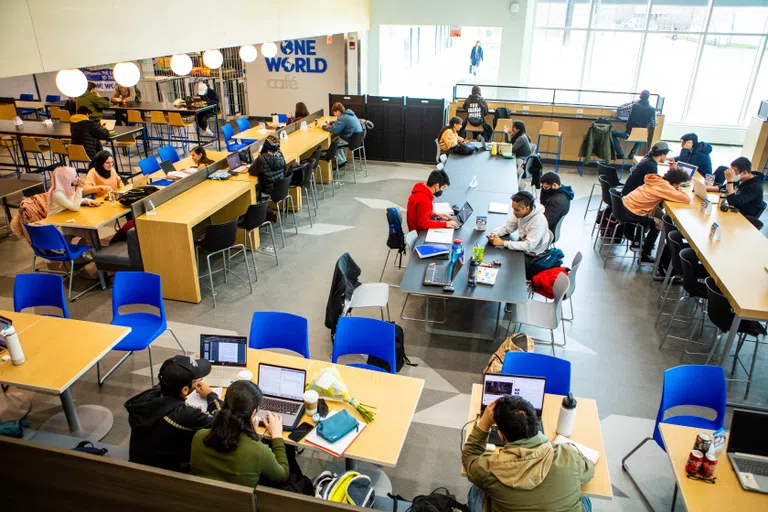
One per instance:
(310, 401)
(709, 179)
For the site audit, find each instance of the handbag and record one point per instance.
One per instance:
(137, 194)
(337, 426)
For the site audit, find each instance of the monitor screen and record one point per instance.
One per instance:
(683, 166)
(223, 350)
(282, 382)
(233, 160)
(747, 432)
(531, 389)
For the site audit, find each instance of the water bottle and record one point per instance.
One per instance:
(567, 416)
(151, 209)
(12, 342)
(473, 183)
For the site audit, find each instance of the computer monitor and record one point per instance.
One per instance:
(747, 432)
(465, 213)
(224, 350)
(496, 385)
(281, 381)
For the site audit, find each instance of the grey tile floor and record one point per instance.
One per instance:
(611, 342)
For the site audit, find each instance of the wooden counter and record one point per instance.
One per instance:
(756, 143)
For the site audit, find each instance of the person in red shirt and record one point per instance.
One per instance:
(420, 212)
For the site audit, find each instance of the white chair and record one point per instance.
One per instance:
(547, 315)
(369, 295)
(437, 147)
(410, 241)
(572, 287)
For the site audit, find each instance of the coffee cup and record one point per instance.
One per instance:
(245, 375)
(310, 401)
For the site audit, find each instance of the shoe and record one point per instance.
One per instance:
(677, 279)
(658, 277)
(630, 156)
(207, 132)
(635, 246)
(646, 261)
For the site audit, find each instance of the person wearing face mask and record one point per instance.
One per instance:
(648, 165)
(555, 197)
(211, 98)
(162, 424)
(420, 211)
(745, 192)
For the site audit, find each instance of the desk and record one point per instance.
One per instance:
(494, 173)
(58, 352)
(394, 396)
(89, 217)
(586, 430)
(254, 133)
(10, 186)
(37, 106)
(725, 494)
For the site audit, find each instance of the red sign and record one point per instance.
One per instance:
(329, 39)
(352, 44)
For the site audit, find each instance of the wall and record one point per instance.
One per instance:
(278, 90)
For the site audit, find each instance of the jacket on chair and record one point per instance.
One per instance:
(597, 142)
(345, 279)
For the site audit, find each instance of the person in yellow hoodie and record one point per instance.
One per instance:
(449, 140)
(529, 472)
(643, 201)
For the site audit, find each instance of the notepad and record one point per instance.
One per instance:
(486, 275)
(441, 208)
(195, 400)
(586, 451)
(339, 447)
(498, 208)
(440, 236)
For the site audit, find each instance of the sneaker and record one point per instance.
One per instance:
(635, 246)
(207, 132)
(658, 277)
(646, 261)
(630, 156)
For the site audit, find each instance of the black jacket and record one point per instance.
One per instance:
(637, 177)
(88, 134)
(643, 115)
(345, 280)
(748, 197)
(475, 106)
(162, 428)
(698, 156)
(557, 204)
(269, 167)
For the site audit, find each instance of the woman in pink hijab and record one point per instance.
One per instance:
(66, 193)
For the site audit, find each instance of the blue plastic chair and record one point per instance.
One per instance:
(35, 290)
(26, 111)
(272, 329)
(149, 166)
(51, 98)
(368, 336)
(229, 132)
(557, 371)
(168, 154)
(130, 289)
(688, 385)
(242, 125)
(49, 244)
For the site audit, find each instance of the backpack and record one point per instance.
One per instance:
(544, 281)
(500, 113)
(551, 258)
(396, 238)
(400, 357)
(439, 500)
(516, 343)
(463, 149)
(137, 194)
(351, 488)
(610, 227)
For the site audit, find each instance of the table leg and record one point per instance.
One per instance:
(145, 134)
(216, 133)
(23, 156)
(7, 209)
(70, 411)
(731, 336)
(459, 334)
(114, 155)
(91, 422)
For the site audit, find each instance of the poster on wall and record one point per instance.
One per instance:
(103, 79)
(455, 31)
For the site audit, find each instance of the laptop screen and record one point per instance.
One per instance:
(465, 212)
(688, 168)
(233, 160)
(748, 433)
(224, 350)
(496, 386)
(167, 166)
(282, 382)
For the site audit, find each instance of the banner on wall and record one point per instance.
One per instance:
(455, 31)
(103, 78)
(297, 56)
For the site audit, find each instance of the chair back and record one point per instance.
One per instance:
(137, 288)
(64, 115)
(77, 153)
(51, 98)
(26, 97)
(149, 165)
(58, 147)
(718, 308)
(530, 364)
(272, 329)
(692, 385)
(437, 151)
(333, 149)
(550, 128)
(755, 221)
(368, 336)
(410, 239)
(157, 117)
(610, 174)
(255, 215)
(53, 111)
(575, 264)
(280, 189)
(47, 237)
(168, 154)
(316, 157)
(35, 290)
(689, 261)
(29, 145)
(243, 124)
(356, 141)
(675, 241)
(605, 187)
(557, 229)
(668, 226)
(220, 236)
(307, 169)
(228, 132)
(134, 116)
(638, 135)
(761, 210)
(560, 288)
(618, 209)
(174, 119)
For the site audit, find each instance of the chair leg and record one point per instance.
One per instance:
(210, 277)
(280, 221)
(672, 319)
(248, 270)
(249, 240)
(71, 276)
(274, 245)
(590, 199)
(183, 351)
(151, 366)
(293, 214)
(626, 469)
(309, 206)
(752, 368)
(386, 260)
(110, 372)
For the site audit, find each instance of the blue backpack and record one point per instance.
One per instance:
(396, 238)
(544, 261)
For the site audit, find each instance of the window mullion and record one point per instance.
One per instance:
(641, 52)
(759, 58)
(587, 50)
(697, 62)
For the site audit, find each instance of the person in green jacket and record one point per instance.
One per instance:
(93, 101)
(528, 473)
(230, 451)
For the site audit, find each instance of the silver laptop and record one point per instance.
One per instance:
(227, 355)
(700, 189)
(747, 449)
(283, 390)
(109, 124)
(497, 385)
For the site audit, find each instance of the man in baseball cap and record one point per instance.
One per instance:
(162, 424)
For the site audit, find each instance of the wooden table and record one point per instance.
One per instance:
(89, 217)
(394, 396)
(59, 351)
(586, 430)
(254, 133)
(725, 494)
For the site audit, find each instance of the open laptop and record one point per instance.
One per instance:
(235, 166)
(436, 274)
(227, 355)
(688, 168)
(700, 189)
(497, 385)
(109, 124)
(464, 214)
(747, 449)
(283, 390)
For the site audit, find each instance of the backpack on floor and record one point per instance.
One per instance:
(396, 238)
(439, 500)
(544, 281)
(519, 342)
(551, 258)
(610, 227)
(400, 357)
(351, 488)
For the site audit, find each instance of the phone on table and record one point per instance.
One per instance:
(300, 432)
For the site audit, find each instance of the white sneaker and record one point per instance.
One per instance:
(207, 132)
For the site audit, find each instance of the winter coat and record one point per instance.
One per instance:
(528, 474)
(476, 107)
(346, 125)
(448, 140)
(748, 197)
(698, 156)
(346, 277)
(88, 133)
(269, 167)
(637, 176)
(162, 428)
(598, 142)
(533, 230)
(643, 115)
(654, 190)
(557, 204)
(95, 103)
(420, 210)
(476, 55)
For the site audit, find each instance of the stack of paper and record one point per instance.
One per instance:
(586, 451)
(498, 208)
(339, 447)
(178, 175)
(195, 400)
(441, 208)
(440, 236)
(486, 275)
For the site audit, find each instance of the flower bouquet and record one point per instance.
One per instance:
(330, 386)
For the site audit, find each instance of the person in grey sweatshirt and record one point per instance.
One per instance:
(521, 143)
(529, 221)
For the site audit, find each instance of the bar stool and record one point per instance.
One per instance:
(636, 136)
(256, 217)
(63, 116)
(126, 143)
(77, 155)
(221, 239)
(501, 124)
(59, 149)
(135, 117)
(180, 129)
(53, 112)
(280, 196)
(11, 145)
(158, 120)
(551, 129)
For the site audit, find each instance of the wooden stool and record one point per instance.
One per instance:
(126, 143)
(500, 126)
(59, 149)
(551, 129)
(637, 136)
(30, 146)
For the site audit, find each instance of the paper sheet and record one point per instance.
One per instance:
(586, 451)
(195, 400)
(498, 208)
(440, 208)
(339, 447)
(440, 236)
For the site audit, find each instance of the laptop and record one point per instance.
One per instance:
(109, 124)
(167, 166)
(747, 449)
(688, 168)
(235, 166)
(464, 214)
(497, 385)
(227, 355)
(436, 274)
(283, 390)
(700, 189)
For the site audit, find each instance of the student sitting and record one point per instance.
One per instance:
(230, 451)
(101, 178)
(450, 141)
(269, 167)
(300, 112)
(420, 211)
(200, 157)
(93, 102)
(745, 192)
(346, 124)
(642, 202)
(162, 424)
(695, 153)
(555, 197)
(521, 144)
(66, 192)
(529, 221)
(648, 165)
(528, 473)
(476, 108)
(87, 132)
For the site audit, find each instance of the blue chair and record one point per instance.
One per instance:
(35, 290)
(149, 166)
(687, 385)
(51, 98)
(557, 371)
(49, 244)
(26, 111)
(229, 132)
(271, 329)
(168, 154)
(132, 289)
(242, 125)
(368, 336)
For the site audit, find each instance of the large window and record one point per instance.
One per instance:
(708, 58)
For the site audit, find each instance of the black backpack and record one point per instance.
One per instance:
(440, 500)
(400, 357)
(500, 113)
(396, 238)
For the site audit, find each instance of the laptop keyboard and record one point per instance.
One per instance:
(755, 467)
(218, 372)
(437, 274)
(280, 406)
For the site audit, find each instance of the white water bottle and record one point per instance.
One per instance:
(12, 342)
(567, 416)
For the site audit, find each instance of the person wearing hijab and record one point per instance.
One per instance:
(269, 167)
(66, 192)
(101, 177)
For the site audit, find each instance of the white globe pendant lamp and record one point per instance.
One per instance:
(269, 50)
(213, 59)
(181, 64)
(71, 82)
(126, 74)
(248, 53)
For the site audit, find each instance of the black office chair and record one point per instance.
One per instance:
(357, 147)
(613, 179)
(693, 289)
(662, 254)
(303, 180)
(605, 187)
(315, 160)
(753, 220)
(675, 245)
(256, 217)
(280, 197)
(221, 239)
(329, 155)
(625, 226)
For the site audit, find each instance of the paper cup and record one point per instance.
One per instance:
(310, 401)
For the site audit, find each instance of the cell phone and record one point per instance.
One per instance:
(300, 432)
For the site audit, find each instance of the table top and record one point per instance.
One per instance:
(88, 217)
(161, 106)
(394, 396)
(30, 104)
(254, 133)
(10, 186)
(725, 494)
(494, 173)
(57, 350)
(57, 130)
(300, 142)
(586, 431)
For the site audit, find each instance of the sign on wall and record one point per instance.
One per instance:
(103, 78)
(298, 56)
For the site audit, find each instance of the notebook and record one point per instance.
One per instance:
(498, 208)
(487, 275)
(195, 400)
(439, 236)
(339, 447)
